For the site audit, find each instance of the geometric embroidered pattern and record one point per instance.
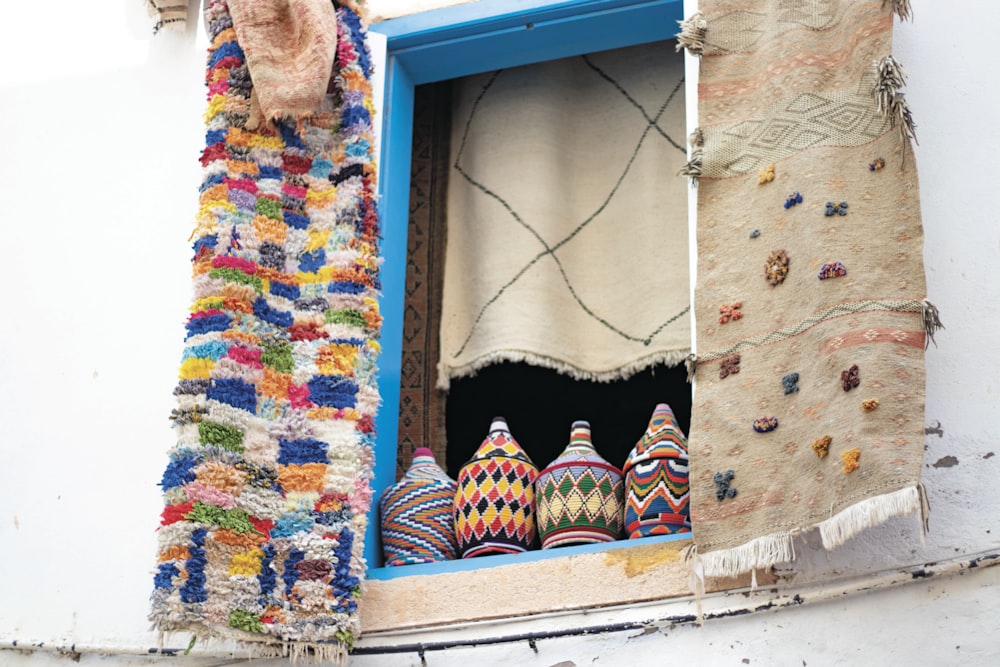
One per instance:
(807, 120)
(418, 525)
(656, 487)
(580, 495)
(495, 502)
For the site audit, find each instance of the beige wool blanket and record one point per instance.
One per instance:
(810, 297)
(567, 228)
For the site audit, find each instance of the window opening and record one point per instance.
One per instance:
(539, 403)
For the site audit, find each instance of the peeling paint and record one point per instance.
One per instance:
(988, 455)
(641, 561)
(946, 462)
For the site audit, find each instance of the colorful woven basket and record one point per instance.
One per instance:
(418, 524)
(580, 495)
(495, 502)
(656, 479)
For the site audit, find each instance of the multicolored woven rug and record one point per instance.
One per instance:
(267, 489)
(810, 295)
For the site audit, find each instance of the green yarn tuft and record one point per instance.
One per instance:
(235, 520)
(241, 619)
(346, 638)
(278, 356)
(269, 208)
(347, 316)
(213, 433)
(237, 276)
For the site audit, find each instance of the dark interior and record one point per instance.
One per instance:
(540, 405)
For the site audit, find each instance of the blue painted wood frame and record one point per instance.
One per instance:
(453, 42)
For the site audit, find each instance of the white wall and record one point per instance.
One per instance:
(98, 184)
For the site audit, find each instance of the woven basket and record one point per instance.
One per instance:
(580, 495)
(656, 479)
(418, 525)
(495, 501)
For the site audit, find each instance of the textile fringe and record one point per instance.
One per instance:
(870, 512)
(900, 7)
(891, 100)
(692, 34)
(932, 322)
(332, 654)
(762, 552)
(696, 578)
(692, 168)
(170, 14)
(446, 373)
(691, 363)
(925, 514)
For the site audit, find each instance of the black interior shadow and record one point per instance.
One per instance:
(540, 405)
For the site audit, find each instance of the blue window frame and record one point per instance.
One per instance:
(445, 44)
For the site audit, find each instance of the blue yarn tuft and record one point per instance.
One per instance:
(335, 392)
(200, 325)
(225, 51)
(267, 577)
(292, 523)
(284, 290)
(276, 317)
(291, 575)
(310, 262)
(205, 242)
(354, 115)
(346, 287)
(308, 450)
(193, 589)
(234, 392)
(296, 220)
(213, 350)
(179, 472)
(271, 172)
(165, 577)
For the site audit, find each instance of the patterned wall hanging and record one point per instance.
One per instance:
(267, 489)
(421, 403)
(803, 98)
(567, 231)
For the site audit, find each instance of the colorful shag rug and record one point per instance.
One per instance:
(267, 491)
(810, 313)
(567, 230)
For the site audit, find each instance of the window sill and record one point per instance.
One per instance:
(537, 582)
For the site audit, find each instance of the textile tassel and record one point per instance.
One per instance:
(691, 363)
(692, 168)
(692, 34)
(696, 579)
(891, 100)
(167, 14)
(925, 511)
(870, 512)
(932, 322)
(900, 7)
(762, 552)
